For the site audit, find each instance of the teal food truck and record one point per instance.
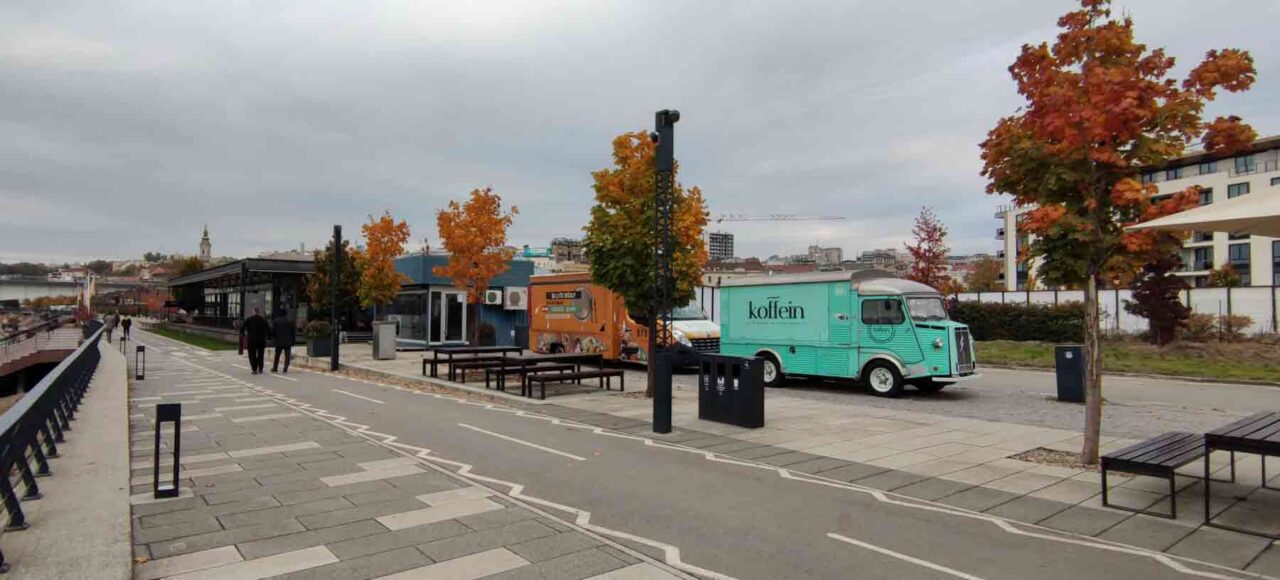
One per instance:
(886, 331)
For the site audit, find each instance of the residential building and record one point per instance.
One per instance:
(719, 246)
(567, 250)
(826, 257)
(1255, 171)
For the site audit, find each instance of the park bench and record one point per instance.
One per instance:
(605, 376)
(458, 370)
(1159, 456)
(501, 372)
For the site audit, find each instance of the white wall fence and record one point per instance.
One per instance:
(1256, 302)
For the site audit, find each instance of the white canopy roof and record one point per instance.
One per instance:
(1257, 214)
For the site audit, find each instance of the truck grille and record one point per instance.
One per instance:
(965, 363)
(706, 344)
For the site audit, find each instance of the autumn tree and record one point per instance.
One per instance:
(929, 252)
(475, 235)
(620, 238)
(190, 266)
(384, 241)
(1224, 277)
(320, 282)
(985, 276)
(1100, 107)
(1156, 298)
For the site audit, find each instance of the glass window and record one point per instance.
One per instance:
(1206, 195)
(1238, 237)
(1202, 259)
(1172, 174)
(1148, 177)
(882, 311)
(1208, 167)
(1238, 255)
(1275, 263)
(925, 308)
(690, 311)
(1202, 237)
(1237, 189)
(1245, 164)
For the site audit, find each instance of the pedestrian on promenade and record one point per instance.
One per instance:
(110, 322)
(256, 331)
(285, 335)
(125, 325)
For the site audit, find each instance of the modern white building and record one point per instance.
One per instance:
(719, 246)
(1253, 172)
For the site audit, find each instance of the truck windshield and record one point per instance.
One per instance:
(926, 308)
(690, 311)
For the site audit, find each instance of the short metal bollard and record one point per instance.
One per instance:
(165, 413)
(140, 363)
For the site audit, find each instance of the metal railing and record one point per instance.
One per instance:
(32, 428)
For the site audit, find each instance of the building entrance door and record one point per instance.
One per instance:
(448, 316)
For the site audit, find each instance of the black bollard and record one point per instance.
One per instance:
(168, 412)
(140, 363)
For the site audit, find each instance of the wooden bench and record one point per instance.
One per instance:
(458, 370)
(605, 376)
(433, 363)
(501, 372)
(1157, 457)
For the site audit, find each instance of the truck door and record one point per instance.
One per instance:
(841, 317)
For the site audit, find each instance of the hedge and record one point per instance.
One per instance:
(1016, 321)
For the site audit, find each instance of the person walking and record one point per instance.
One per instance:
(285, 335)
(256, 331)
(125, 325)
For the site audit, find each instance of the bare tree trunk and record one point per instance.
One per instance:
(1092, 375)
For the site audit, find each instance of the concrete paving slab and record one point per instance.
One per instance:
(1221, 547)
(482, 565)
(1148, 532)
(166, 567)
(265, 567)
(890, 480)
(1028, 509)
(471, 543)
(326, 536)
(931, 489)
(1084, 520)
(978, 498)
(372, 566)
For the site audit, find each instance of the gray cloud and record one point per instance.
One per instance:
(126, 125)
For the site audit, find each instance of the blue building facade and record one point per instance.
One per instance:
(431, 311)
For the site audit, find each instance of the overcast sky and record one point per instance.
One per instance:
(124, 126)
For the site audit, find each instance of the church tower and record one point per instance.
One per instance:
(206, 247)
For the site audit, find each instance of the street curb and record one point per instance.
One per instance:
(1140, 375)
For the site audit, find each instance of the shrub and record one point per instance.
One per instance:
(1200, 327)
(1232, 326)
(317, 329)
(1040, 322)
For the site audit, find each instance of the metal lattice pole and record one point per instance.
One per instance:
(661, 339)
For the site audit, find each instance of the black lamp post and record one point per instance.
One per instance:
(660, 340)
(335, 283)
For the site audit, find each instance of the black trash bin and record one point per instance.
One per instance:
(1069, 361)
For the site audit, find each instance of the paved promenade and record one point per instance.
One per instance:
(959, 462)
(270, 491)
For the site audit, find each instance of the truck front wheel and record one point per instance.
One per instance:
(883, 379)
(772, 371)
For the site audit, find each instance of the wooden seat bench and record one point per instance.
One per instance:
(452, 363)
(501, 372)
(605, 376)
(1160, 457)
(458, 370)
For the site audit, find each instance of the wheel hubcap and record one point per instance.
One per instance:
(881, 379)
(770, 371)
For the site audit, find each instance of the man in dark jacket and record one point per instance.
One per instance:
(285, 337)
(256, 331)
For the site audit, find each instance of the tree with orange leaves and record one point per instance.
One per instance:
(621, 239)
(475, 233)
(384, 241)
(929, 253)
(1100, 107)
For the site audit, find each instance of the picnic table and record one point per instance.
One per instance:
(452, 351)
(1258, 434)
(524, 362)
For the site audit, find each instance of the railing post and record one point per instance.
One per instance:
(28, 478)
(17, 521)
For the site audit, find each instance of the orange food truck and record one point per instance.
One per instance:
(567, 313)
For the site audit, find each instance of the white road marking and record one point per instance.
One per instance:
(904, 557)
(280, 376)
(525, 443)
(359, 396)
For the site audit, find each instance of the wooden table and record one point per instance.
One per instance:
(1258, 434)
(523, 362)
(452, 351)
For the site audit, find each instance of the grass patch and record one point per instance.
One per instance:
(1224, 361)
(199, 340)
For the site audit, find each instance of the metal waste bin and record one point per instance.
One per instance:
(1068, 360)
(384, 340)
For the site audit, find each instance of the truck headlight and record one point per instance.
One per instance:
(681, 338)
(937, 343)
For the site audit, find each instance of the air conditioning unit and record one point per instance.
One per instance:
(517, 298)
(493, 297)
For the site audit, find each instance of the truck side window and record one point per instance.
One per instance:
(882, 311)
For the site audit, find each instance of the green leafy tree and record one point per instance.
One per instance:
(1099, 108)
(99, 267)
(319, 289)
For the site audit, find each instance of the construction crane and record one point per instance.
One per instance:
(773, 217)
